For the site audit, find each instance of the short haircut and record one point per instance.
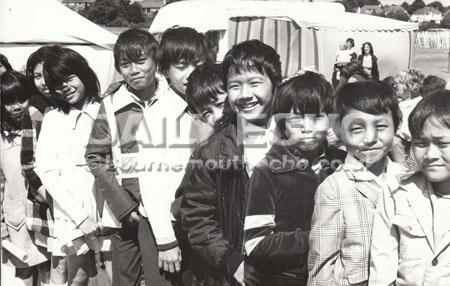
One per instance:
(371, 97)
(204, 83)
(431, 84)
(132, 44)
(371, 48)
(353, 68)
(14, 87)
(309, 93)
(183, 43)
(64, 62)
(351, 41)
(436, 105)
(4, 61)
(36, 58)
(250, 56)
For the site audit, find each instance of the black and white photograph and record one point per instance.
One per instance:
(225, 142)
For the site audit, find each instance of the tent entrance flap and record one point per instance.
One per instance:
(283, 34)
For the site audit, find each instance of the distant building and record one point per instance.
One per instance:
(77, 5)
(371, 10)
(427, 14)
(151, 7)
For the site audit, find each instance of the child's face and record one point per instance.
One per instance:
(72, 91)
(213, 111)
(39, 81)
(2, 69)
(432, 151)
(368, 137)
(250, 94)
(178, 74)
(307, 131)
(139, 75)
(367, 49)
(16, 110)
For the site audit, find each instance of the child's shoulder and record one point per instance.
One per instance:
(336, 184)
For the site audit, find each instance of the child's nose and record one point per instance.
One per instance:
(370, 136)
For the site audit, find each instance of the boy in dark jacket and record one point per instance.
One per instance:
(282, 186)
(215, 183)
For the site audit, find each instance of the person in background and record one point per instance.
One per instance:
(39, 104)
(15, 92)
(4, 64)
(60, 161)
(350, 48)
(213, 205)
(410, 240)
(281, 196)
(369, 61)
(351, 72)
(205, 93)
(346, 201)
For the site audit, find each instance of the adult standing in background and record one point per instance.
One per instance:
(369, 61)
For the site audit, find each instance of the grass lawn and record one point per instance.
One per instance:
(432, 61)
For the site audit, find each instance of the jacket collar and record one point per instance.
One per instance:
(89, 109)
(366, 182)
(123, 97)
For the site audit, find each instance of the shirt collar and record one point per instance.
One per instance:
(355, 170)
(89, 109)
(124, 97)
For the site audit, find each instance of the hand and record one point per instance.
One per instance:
(239, 274)
(170, 260)
(89, 227)
(133, 218)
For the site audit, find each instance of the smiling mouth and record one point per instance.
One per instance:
(247, 106)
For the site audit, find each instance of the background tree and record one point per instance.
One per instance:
(101, 11)
(405, 5)
(396, 12)
(416, 5)
(116, 13)
(445, 22)
(438, 5)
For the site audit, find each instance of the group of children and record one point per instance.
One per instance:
(196, 173)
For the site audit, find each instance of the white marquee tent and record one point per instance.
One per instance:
(25, 25)
(305, 34)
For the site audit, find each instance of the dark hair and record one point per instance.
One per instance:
(351, 41)
(431, 84)
(132, 44)
(64, 62)
(183, 43)
(4, 61)
(309, 93)
(373, 97)
(436, 105)
(14, 87)
(253, 55)
(353, 68)
(36, 58)
(204, 83)
(371, 48)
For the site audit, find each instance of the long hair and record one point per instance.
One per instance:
(14, 87)
(64, 62)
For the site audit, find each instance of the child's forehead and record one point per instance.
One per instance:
(245, 73)
(357, 116)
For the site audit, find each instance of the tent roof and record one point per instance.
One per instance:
(214, 15)
(48, 21)
(204, 15)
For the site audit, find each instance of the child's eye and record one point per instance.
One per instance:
(420, 144)
(206, 114)
(381, 126)
(124, 65)
(233, 86)
(443, 144)
(356, 129)
(219, 104)
(255, 83)
(37, 76)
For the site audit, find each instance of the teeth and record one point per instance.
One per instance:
(249, 105)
